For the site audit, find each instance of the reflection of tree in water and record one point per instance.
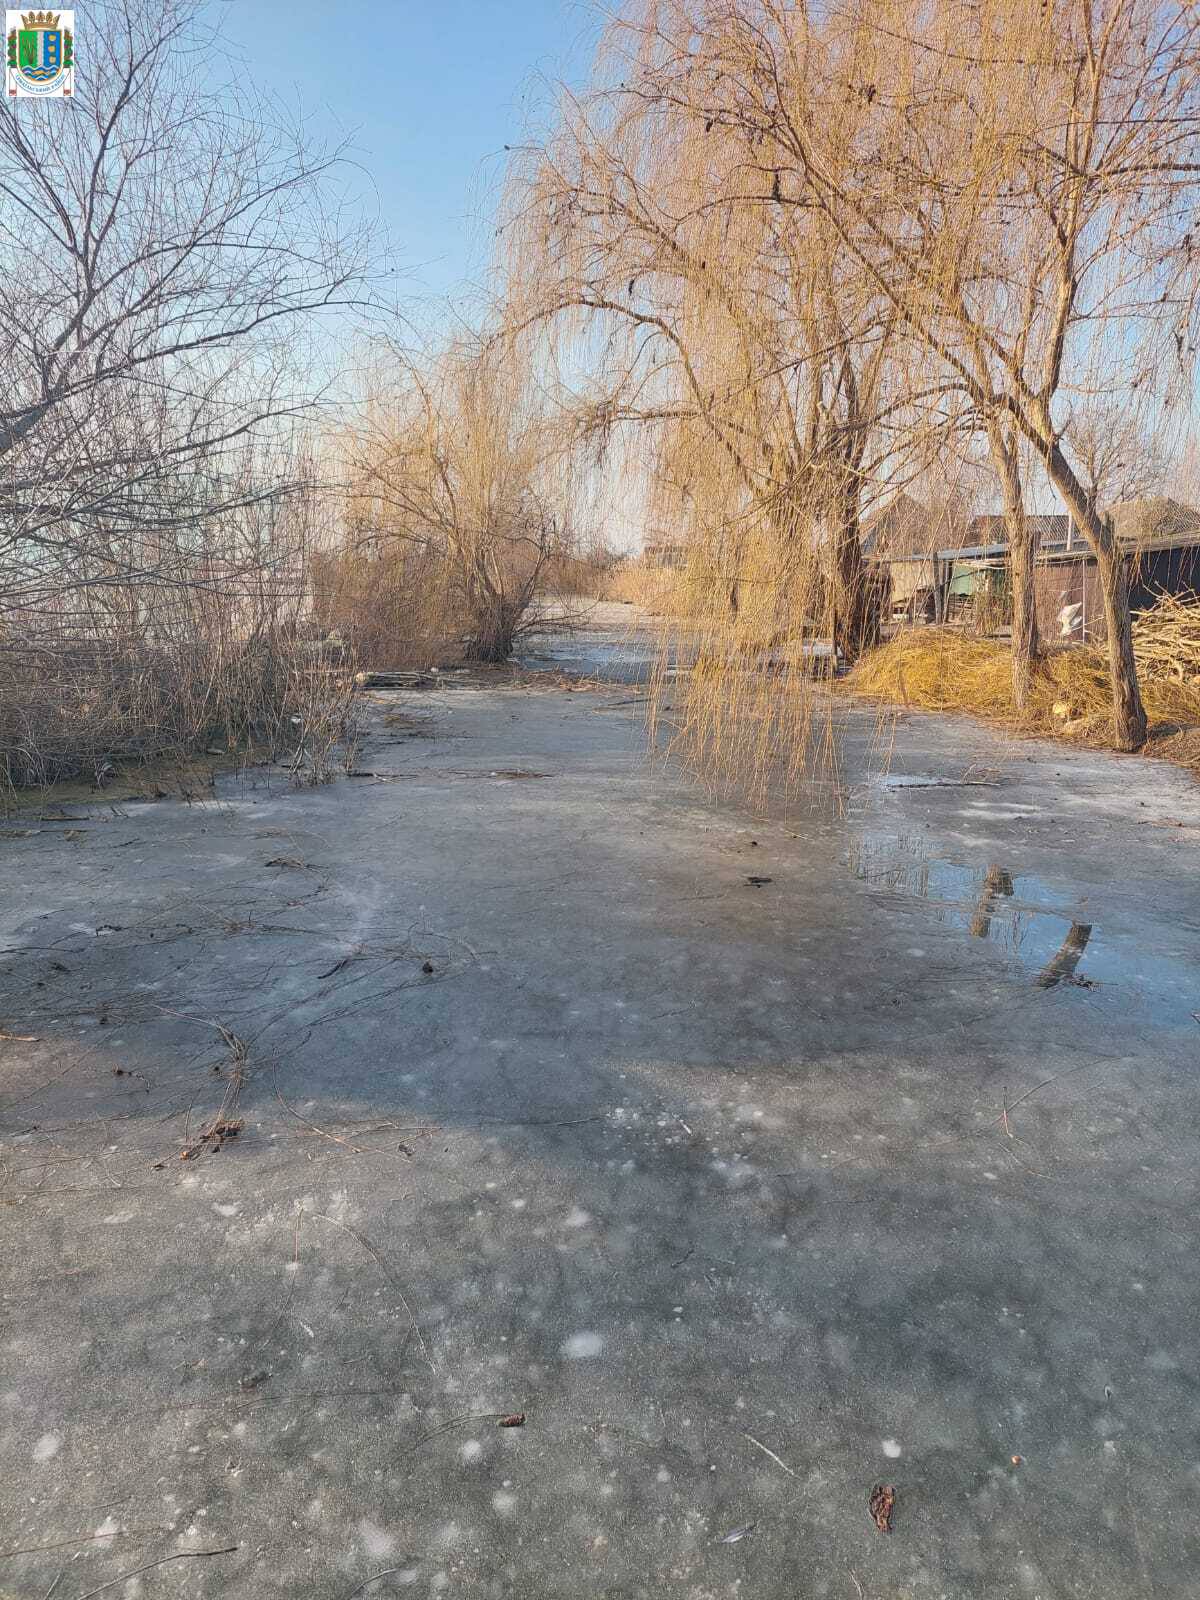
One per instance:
(1061, 966)
(996, 882)
(901, 865)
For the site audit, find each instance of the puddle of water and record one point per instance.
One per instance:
(632, 658)
(1016, 911)
(1034, 925)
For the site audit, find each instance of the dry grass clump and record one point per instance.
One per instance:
(940, 669)
(658, 590)
(72, 710)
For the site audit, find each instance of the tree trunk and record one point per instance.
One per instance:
(493, 614)
(492, 642)
(1025, 641)
(1022, 549)
(854, 620)
(1129, 714)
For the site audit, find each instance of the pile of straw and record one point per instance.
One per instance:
(939, 669)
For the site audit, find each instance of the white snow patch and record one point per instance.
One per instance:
(47, 1446)
(106, 1531)
(472, 1450)
(578, 1218)
(504, 1504)
(582, 1346)
(376, 1542)
(226, 1211)
(891, 1447)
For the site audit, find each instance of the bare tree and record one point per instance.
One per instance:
(162, 247)
(464, 461)
(713, 311)
(1115, 456)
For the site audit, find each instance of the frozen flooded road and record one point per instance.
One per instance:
(756, 1163)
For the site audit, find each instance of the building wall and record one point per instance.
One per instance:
(1153, 571)
(1063, 583)
(671, 556)
(1077, 582)
(910, 575)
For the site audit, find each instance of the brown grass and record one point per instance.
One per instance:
(940, 669)
(97, 712)
(658, 590)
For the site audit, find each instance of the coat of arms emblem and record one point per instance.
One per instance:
(41, 53)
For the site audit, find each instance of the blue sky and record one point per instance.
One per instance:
(430, 93)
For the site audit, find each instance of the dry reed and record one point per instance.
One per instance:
(639, 583)
(120, 668)
(78, 710)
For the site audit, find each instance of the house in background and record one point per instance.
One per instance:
(908, 545)
(1162, 542)
(665, 551)
(978, 586)
(970, 583)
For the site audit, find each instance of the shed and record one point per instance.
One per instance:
(1162, 540)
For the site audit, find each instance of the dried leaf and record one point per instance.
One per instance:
(881, 1505)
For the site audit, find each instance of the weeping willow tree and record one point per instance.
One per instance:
(792, 243)
(1021, 194)
(658, 246)
(459, 474)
